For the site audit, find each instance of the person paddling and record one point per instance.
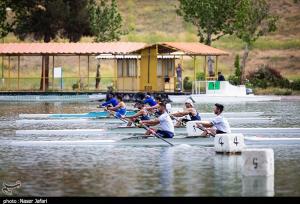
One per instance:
(190, 111)
(154, 108)
(112, 101)
(149, 100)
(142, 114)
(218, 125)
(166, 126)
(119, 109)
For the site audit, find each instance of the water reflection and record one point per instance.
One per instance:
(258, 186)
(227, 176)
(166, 171)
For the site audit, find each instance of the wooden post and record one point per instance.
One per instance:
(174, 75)
(115, 74)
(18, 72)
(79, 72)
(204, 68)
(195, 71)
(44, 73)
(8, 72)
(2, 67)
(194, 84)
(88, 69)
(216, 75)
(53, 72)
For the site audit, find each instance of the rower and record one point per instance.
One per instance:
(149, 100)
(218, 125)
(166, 126)
(112, 101)
(155, 106)
(190, 110)
(142, 114)
(120, 108)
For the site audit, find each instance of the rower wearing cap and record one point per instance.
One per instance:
(142, 114)
(120, 109)
(190, 110)
(218, 125)
(166, 126)
(112, 101)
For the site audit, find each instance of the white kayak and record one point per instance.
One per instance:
(104, 114)
(178, 131)
(24, 122)
(145, 141)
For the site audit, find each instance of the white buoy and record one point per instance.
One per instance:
(258, 162)
(229, 143)
(258, 186)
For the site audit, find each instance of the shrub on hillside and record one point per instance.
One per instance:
(200, 76)
(295, 85)
(236, 78)
(273, 91)
(187, 84)
(266, 76)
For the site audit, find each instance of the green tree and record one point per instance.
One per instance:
(252, 20)
(236, 78)
(212, 19)
(46, 19)
(106, 22)
(5, 27)
(237, 66)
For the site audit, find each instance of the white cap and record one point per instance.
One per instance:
(190, 102)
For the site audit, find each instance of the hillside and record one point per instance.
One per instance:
(156, 21)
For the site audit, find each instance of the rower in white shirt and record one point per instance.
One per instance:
(218, 125)
(166, 126)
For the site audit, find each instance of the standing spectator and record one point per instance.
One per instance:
(221, 77)
(179, 76)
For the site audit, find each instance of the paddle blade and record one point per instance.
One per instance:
(192, 129)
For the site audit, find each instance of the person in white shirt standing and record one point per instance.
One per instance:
(166, 126)
(218, 125)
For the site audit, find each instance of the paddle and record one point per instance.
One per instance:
(111, 112)
(104, 108)
(204, 129)
(155, 134)
(174, 118)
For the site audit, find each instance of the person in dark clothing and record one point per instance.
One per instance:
(221, 77)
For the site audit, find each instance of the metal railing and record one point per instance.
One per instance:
(57, 84)
(77, 84)
(199, 87)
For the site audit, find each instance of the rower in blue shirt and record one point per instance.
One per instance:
(112, 101)
(149, 100)
(120, 109)
(154, 109)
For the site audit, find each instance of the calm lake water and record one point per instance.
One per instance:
(140, 170)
